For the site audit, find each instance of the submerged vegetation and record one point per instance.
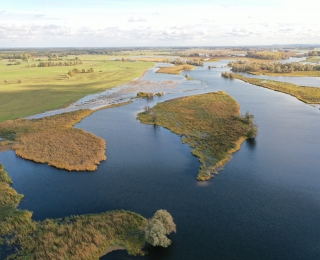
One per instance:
(52, 140)
(77, 237)
(309, 95)
(210, 123)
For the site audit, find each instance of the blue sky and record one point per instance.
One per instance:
(78, 23)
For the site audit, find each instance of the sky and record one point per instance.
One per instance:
(124, 23)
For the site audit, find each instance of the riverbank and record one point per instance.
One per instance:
(309, 95)
(210, 123)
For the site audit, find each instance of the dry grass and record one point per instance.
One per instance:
(52, 140)
(175, 69)
(210, 123)
(309, 95)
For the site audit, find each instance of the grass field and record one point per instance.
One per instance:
(210, 123)
(45, 88)
(309, 95)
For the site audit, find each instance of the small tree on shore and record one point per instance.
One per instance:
(146, 109)
(159, 226)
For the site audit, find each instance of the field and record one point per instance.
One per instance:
(210, 123)
(309, 95)
(45, 88)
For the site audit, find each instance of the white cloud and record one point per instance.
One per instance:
(136, 19)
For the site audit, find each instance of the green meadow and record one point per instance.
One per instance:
(46, 88)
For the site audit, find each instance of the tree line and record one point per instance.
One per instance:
(194, 62)
(60, 63)
(268, 55)
(245, 66)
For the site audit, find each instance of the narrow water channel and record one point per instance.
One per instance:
(265, 204)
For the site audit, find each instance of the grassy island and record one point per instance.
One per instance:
(309, 95)
(77, 237)
(210, 123)
(177, 69)
(53, 140)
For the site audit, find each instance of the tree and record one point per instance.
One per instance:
(155, 234)
(159, 226)
(166, 219)
(146, 109)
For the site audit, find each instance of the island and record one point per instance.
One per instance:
(210, 123)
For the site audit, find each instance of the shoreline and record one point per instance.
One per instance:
(113, 248)
(4, 148)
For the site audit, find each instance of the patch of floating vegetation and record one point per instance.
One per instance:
(177, 69)
(210, 123)
(309, 95)
(76, 237)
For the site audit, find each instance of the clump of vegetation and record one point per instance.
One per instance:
(76, 237)
(227, 75)
(210, 123)
(187, 76)
(159, 94)
(147, 95)
(309, 95)
(52, 140)
(159, 226)
(268, 55)
(177, 69)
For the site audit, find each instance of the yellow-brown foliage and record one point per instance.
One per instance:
(177, 69)
(52, 140)
(210, 123)
(309, 95)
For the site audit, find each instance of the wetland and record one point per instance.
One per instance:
(264, 204)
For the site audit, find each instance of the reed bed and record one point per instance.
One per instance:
(52, 140)
(209, 123)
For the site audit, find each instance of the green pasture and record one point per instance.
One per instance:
(46, 88)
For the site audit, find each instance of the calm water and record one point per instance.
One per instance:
(265, 204)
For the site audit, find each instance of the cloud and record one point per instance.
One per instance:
(136, 19)
(188, 34)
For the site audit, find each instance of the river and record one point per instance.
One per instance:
(265, 204)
